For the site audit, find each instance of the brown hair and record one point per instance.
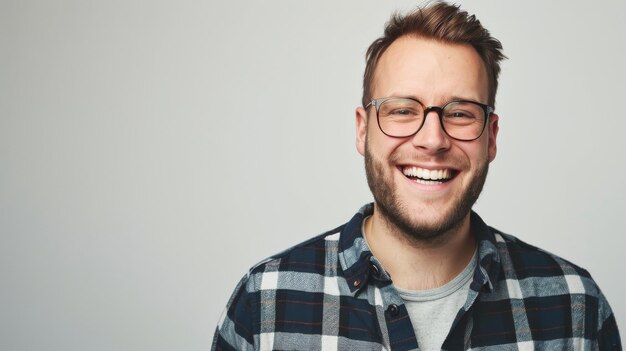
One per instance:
(443, 22)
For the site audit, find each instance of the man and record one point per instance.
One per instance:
(417, 269)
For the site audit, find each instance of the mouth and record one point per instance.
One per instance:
(428, 176)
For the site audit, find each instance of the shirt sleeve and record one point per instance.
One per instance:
(235, 327)
(608, 334)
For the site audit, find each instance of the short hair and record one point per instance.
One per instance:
(441, 22)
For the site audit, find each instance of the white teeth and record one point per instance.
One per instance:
(427, 174)
(427, 182)
(419, 173)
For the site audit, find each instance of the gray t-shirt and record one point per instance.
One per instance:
(432, 311)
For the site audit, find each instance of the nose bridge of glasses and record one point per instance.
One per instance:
(439, 127)
(431, 135)
(438, 111)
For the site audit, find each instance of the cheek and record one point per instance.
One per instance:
(476, 153)
(480, 155)
(382, 147)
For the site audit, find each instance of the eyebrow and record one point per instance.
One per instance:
(447, 100)
(456, 98)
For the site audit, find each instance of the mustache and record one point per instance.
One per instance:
(398, 157)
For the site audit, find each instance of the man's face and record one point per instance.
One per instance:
(433, 73)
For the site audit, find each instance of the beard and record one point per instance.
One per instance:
(397, 214)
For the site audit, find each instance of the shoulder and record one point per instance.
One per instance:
(314, 257)
(294, 274)
(529, 272)
(521, 260)
(539, 273)
(552, 291)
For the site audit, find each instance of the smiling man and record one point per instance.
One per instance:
(417, 269)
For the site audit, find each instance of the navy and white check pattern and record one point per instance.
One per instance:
(331, 293)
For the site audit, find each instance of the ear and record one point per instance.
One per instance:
(492, 130)
(361, 129)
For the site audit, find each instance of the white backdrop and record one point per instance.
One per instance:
(152, 151)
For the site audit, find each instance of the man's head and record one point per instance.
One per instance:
(424, 184)
(440, 22)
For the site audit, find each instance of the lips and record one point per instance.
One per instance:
(428, 176)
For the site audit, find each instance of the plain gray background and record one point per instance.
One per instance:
(152, 151)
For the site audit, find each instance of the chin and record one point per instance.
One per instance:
(423, 220)
(423, 225)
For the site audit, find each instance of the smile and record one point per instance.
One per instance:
(428, 176)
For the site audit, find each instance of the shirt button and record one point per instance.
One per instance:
(393, 310)
(356, 283)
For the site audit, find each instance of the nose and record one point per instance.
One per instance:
(431, 138)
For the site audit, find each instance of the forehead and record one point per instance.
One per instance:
(431, 71)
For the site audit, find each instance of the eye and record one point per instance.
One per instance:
(403, 112)
(397, 108)
(459, 114)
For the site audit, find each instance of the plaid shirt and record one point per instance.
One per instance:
(331, 293)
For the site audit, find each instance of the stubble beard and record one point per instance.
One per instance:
(395, 213)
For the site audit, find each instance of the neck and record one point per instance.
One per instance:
(419, 264)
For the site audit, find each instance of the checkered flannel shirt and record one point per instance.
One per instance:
(331, 293)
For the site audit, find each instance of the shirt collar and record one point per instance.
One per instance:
(488, 268)
(357, 261)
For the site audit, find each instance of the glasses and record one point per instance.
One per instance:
(404, 117)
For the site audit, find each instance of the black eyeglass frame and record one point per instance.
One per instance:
(489, 110)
